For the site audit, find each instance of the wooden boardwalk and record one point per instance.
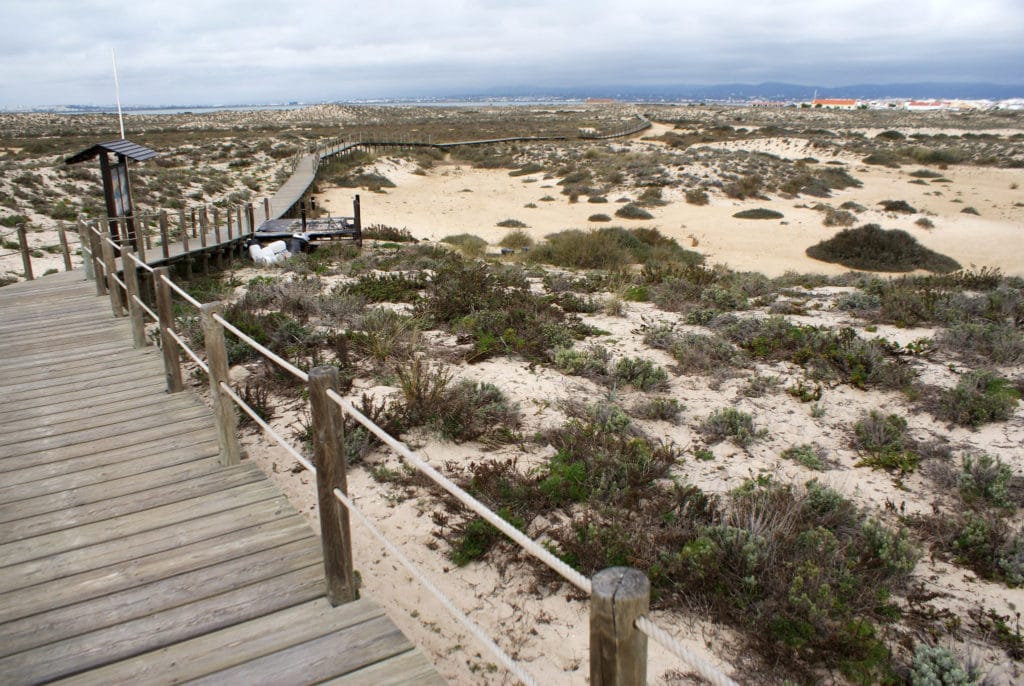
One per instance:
(127, 553)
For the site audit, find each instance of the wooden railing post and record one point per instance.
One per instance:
(26, 256)
(184, 244)
(83, 240)
(110, 269)
(227, 216)
(169, 346)
(618, 650)
(251, 216)
(65, 250)
(266, 208)
(217, 359)
(141, 237)
(329, 456)
(165, 235)
(96, 241)
(131, 281)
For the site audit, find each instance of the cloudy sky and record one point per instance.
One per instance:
(260, 51)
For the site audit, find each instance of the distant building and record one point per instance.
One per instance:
(768, 103)
(925, 105)
(836, 103)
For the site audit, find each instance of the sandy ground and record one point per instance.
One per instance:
(453, 199)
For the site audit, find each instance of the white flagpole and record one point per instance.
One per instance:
(117, 89)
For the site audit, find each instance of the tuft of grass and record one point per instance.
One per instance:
(641, 374)
(511, 224)
(697, 196)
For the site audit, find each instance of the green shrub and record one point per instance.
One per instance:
(516, 240)
(985, 480)
(639, 373)
(599, 218)
(387, 287)
(695, 353)
(884, 438)
(511, 224)
(873, 248)
(591, 362)
(882, 159)
(758, 213)
(632, 211)
(835, 217)
(664, 409)
(730, 423)
(467, 244)
(825, 353)
(807, 455)
(936, 666)
(898, 206)
(986, 342)
(980, 397)
(697, 196)
(970, 210)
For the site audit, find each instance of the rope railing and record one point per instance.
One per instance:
(152, 315)
(706, 670)
(267, 352)
(188, 351)
(267, 429)
(182, 292)
(478, 633)
(558, 566)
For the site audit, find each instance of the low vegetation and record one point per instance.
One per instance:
(873, 248)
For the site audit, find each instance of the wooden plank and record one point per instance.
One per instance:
(91, 375)
(175, 535)
(319, 658)
(231, 646)
(120, 527)
(103, 435)
(107, 411)
(122, 389)
(22, 503)
(115, 443)
(405, 669)
(190, 587)
(25, 501)
(76, 654)
(108, 403)
(184, 446)
(132, 573)
(66, 515)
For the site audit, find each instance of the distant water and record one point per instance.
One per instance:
(378, 103)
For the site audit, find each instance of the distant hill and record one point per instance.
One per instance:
(776, 91)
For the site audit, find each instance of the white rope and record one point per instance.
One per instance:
(177, 289)
(188, 350)
(267, 428)
(565, 571)
(151, 313)
(509, 663)
(288, 366)
(707, 670)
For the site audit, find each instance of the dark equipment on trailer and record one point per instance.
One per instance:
(275, 237)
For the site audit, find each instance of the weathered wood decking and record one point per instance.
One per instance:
(127, 553)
